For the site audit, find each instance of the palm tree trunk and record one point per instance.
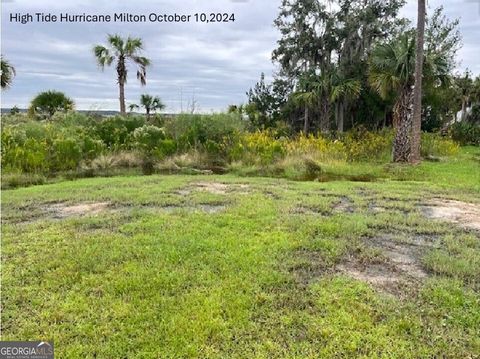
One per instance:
(336, 113)
(417, 91)
(402, 122)
(341, 111)
(305, 122)
(121, 86)
(121, 72)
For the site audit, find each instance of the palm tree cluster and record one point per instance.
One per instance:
(358, 63)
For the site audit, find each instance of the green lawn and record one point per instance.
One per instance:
(231, 267)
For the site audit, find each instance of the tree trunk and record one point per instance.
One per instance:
(464, 111)
(305, 123)
(121, 72)
(148, 113)
(341, 112)
(336, 113)
(324, 114)
(417, 91)
(121, 86)
(402, 123)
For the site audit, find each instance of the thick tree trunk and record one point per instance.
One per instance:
(402, 123)
(417, 91)
(148, 113)
(305, 122)
(324, 114)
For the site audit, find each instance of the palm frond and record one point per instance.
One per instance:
(132, 46)
(103, 56)
(117, 43)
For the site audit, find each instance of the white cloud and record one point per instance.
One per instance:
(217, 62)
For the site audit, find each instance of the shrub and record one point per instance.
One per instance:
(258, 148)
(466, 133)
(363, 145)
(318, 147)
(435, 145)
(148, 139)
(47, 103)
(212, 133)
(115, 132)
(474, 115)
(65, 154)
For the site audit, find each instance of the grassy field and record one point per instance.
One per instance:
(235, 267)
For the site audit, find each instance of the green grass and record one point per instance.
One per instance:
(158, 276)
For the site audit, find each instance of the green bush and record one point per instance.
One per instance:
(259, 147)
(148, 138)
(65, 154)
(212, 133)
(115, 132)
(363, 145)
(435, 145)
(466, 133)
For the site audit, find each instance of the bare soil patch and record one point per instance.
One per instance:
(64, 210)
(399, 270)
(209, 208)
(219, 188)
(395, 268)
(466, 215)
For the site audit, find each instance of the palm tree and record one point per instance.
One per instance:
(417, 91)
(46, 103)
(306, 99)
(8, 73)
(391, 72)
(313, 94)
(150, 103)
(123, 51)
(133, 107)
(343, 90)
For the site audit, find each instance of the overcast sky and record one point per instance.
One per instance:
(215, 62)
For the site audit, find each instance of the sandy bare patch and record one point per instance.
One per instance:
(63, 210)
(212, 187)
(398, 269)
(221, 188)
(466, 215)
(378, 275)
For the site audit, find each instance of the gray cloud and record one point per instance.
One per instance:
(216, 62)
